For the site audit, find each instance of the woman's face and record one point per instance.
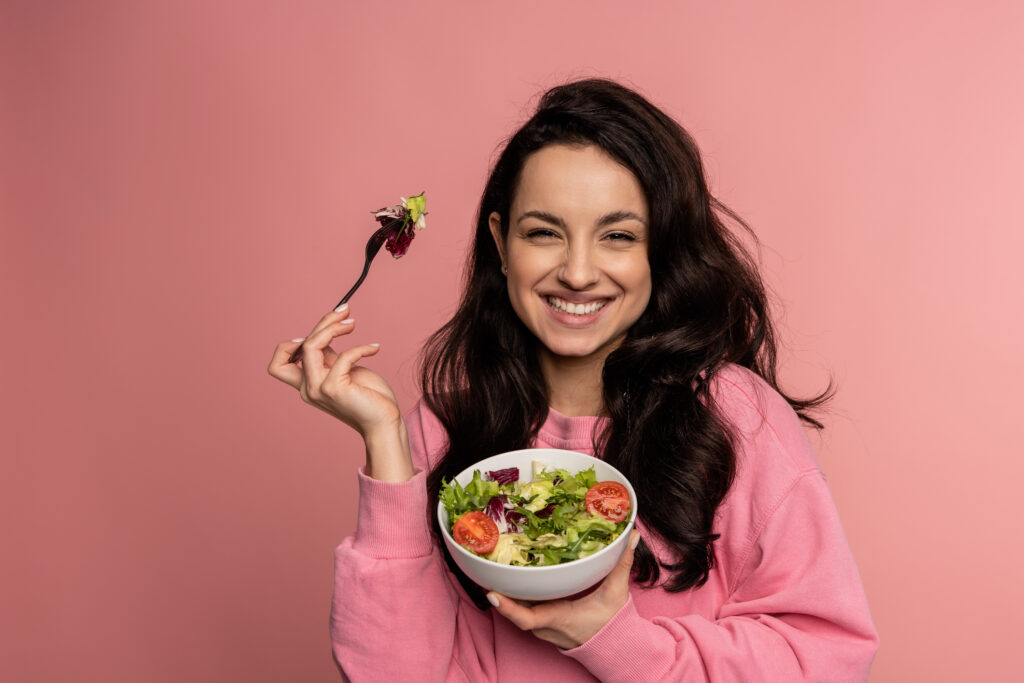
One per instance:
(576, 250)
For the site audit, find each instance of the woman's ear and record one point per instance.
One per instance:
(494, 222)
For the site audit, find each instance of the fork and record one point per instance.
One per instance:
(373, 246)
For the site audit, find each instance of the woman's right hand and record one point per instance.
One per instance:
(357, 396)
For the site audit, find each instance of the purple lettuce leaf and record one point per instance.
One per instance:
(546, 512)
(514, 519)
(398, 242)
(495, 509)
(509, 475)
(504, 514)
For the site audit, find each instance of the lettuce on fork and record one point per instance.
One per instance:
(400, 220)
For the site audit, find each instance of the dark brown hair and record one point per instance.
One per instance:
(708, 307)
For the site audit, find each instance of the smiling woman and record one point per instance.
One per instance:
(607, 310)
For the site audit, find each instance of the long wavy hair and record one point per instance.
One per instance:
(481, 373)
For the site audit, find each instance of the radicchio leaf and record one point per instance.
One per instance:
(399, 220)
(514, 518)
(504, 514)
(495, 509)
(546, 512)
(509, 475)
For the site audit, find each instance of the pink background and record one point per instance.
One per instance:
(187, 183)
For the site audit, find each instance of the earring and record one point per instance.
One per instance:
(504, 269)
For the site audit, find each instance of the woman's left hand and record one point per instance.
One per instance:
(570, 623)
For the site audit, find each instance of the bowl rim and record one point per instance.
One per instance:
(450, 541)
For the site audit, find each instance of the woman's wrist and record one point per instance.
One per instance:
(387, 453)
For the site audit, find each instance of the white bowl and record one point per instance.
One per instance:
(551, 581)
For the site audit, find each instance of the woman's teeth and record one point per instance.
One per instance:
(575, 309)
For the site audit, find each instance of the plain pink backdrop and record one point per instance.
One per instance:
(187, 183)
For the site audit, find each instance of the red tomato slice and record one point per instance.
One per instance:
(608, 499)
(476, 531)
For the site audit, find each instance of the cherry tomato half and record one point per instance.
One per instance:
(608, 499)
(476, 531)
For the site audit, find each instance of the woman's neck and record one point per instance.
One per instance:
(574, 384)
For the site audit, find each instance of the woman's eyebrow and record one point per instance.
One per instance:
(607, 219)
(544, 216)
(619, 216)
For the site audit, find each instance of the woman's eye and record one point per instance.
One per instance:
(621, 237)
(541, 233)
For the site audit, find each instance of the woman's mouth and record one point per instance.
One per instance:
(570, 308)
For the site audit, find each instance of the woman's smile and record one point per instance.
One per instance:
(576, 309)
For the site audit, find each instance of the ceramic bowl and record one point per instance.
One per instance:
(552, 581)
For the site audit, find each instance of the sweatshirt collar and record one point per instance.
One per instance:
(571, 433)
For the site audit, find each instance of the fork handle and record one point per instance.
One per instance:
(366, 269)
(370, 253)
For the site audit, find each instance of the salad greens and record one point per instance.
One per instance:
(542, 522)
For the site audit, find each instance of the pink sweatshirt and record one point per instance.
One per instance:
(784, 601)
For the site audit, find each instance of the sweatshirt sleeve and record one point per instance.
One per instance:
(799, 614)
(396, 613)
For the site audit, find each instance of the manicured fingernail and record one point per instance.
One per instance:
(493, 599)
(341, 308)
(348, 320)
(635, 541)
(375, 344)
(299, 339)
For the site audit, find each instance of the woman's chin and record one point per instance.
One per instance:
(577, 352)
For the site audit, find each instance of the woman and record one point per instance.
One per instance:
(607, 310)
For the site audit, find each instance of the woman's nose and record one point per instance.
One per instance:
(579, 270)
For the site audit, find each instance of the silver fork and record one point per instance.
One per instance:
(373, 246)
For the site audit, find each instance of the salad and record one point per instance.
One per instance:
(558, 517)
(400, 220)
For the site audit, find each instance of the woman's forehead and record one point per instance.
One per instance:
(563, 180)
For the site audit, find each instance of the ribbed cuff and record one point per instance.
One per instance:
(392, 519)
(618, 651)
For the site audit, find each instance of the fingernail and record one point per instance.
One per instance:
(299, 339)
(375, 344)
(635, 541)
(341, 308)
(493, 599)
(348, 320)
